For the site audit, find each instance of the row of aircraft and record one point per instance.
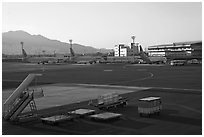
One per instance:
(73, 58)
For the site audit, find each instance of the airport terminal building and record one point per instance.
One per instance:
(178, 50)
(122, 50)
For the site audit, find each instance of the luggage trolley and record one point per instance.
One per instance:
(149, 105)
(110, 100)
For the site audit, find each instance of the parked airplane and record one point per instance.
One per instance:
(151, 60)
(80, 59)
(39, 60)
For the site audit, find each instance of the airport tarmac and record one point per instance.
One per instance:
(181, 113)
(63, 94)
(179, 87)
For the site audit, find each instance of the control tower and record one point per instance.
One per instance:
(134, 46)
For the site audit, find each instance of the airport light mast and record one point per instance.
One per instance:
(22, 49)
(71, 50)
(70, 41)
(133, 39)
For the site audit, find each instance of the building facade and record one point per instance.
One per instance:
(123, 50)
(178, 50)
(134, 50)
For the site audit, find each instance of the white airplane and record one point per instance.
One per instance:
(81, 59)
(150, 60)
(38, 60)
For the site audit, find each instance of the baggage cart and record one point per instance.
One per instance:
(149, 105)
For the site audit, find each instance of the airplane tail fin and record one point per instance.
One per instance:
(141, 50)
(24, 53)
(72, 52)
(144, 56)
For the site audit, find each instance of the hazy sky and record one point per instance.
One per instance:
(103, 25)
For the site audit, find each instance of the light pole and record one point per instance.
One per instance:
(22, 50)
(133, 39)
(70, 43)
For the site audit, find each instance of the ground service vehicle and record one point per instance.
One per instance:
(149, 105)
(111, 100)
(177, 62)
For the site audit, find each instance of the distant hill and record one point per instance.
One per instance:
(35, 44)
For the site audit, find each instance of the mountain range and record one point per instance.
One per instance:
(38, 44)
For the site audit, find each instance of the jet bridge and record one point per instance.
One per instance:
(19, 99)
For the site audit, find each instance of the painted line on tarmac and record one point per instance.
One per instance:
(113, 86)
(199, 90)
(186, 107)
(81, 64)
(148, 77)
(151, 75)
(108, 70)
(117, 86)
(12, 80)
(157, 65)
(30, 64)
(135, 87)
(189, 108)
